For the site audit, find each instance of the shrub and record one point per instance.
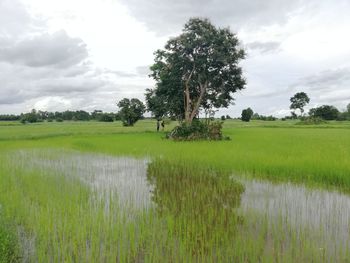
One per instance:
(311, 121)
(198, 130)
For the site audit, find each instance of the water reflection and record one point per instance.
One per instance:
(199, 204)
(323, 215)
(120, 177)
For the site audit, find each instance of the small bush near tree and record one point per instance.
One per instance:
(197, 130)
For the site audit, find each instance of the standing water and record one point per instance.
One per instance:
(317, 215)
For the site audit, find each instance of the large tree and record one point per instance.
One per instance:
(199, 69)
(299, 101)
(130, 111)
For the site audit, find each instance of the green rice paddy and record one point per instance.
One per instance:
(100, 192)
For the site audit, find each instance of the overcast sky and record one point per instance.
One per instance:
(87, 54)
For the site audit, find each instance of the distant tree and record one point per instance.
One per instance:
(348, 108)
(30, 117)
(228, 117)
(326, 112)
(130, 111)
(255, 116)
(197, 70)
(247, 114)
(105, 117)
(9, 117)
(299, 101)
(96, 114)
(223, 117)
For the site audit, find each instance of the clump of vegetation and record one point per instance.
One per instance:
(197, 130)
(311, 121)
(9, 251)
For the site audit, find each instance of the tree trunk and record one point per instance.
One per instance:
(203, 88)
(188, 99)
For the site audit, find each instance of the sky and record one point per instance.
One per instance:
(88, 54)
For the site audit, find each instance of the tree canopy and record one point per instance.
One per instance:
(299, 101)
(247, 114)
(130, 111)
(199, 69)
(326, 112)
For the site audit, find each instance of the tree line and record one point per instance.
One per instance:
(68, 115)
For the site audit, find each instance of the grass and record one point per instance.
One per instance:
(312, 155)
(9, 251)
(195, 218)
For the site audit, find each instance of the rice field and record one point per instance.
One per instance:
(93, 192)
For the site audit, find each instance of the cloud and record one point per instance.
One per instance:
(264, 47)
(44, 69)
(330, 86)
(118, 73)
(47, 50)
(326, 80)
(166, 16)
(143, 71)
(15, 21)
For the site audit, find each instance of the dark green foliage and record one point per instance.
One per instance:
(9, 117)
(343, 116)
(196, 70)
(157, 104)
(101, 116)
(299, 101)
(30, 117)
(223, 117)
(197, 130)
(326, 112)
(130, 111)
(247, 114)
(9, 251)
(106, 117)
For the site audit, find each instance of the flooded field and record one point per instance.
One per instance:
(140, 210)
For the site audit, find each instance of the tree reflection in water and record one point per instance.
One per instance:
(197, 204)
